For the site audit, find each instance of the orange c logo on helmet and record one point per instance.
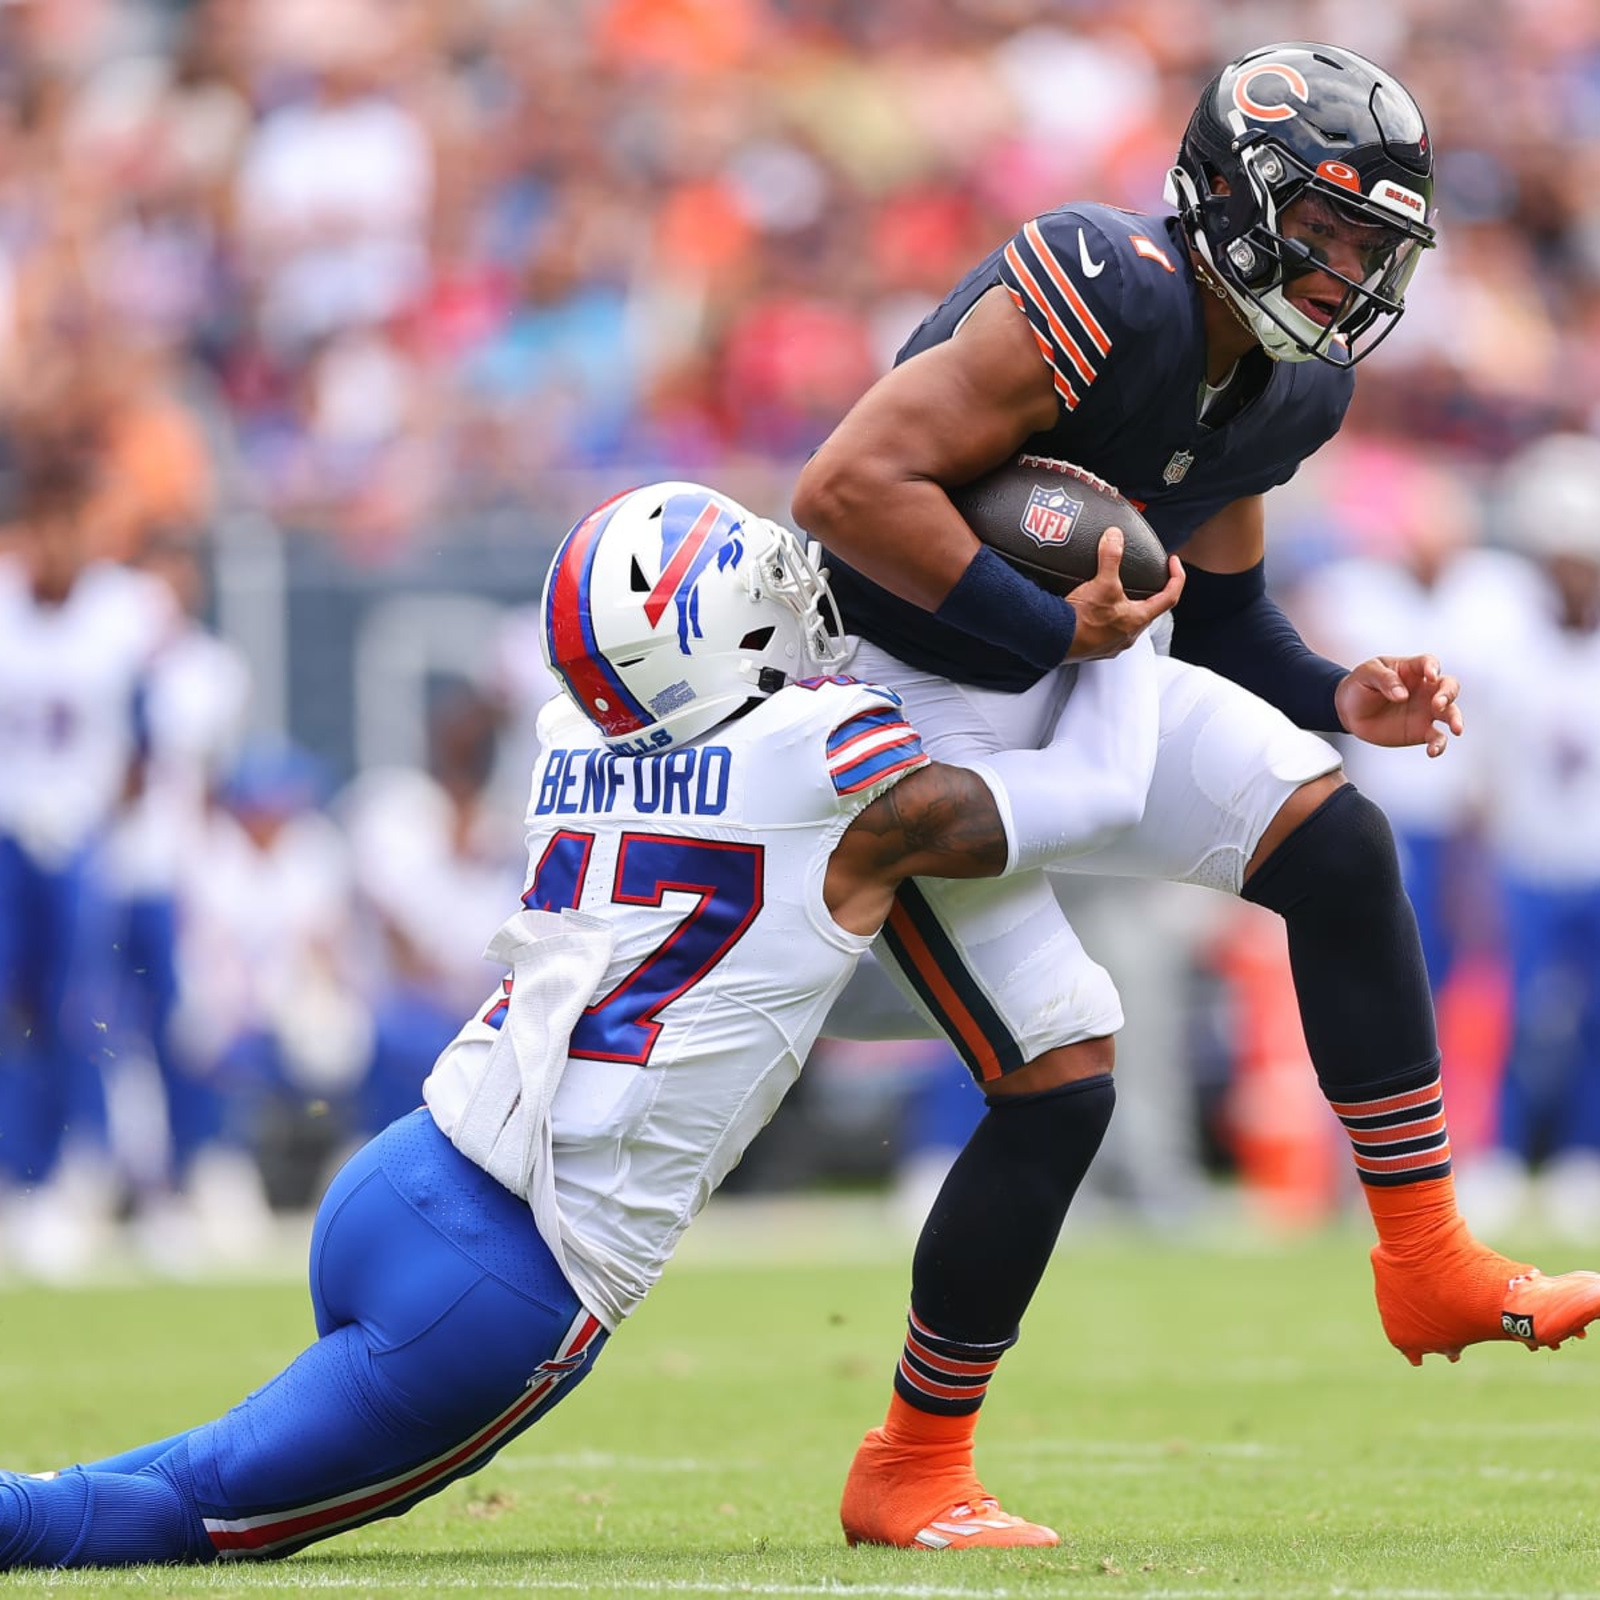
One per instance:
(1252, 107)
(1341, 173)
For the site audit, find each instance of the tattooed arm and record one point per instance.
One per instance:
(938, 822)
(1011, 810)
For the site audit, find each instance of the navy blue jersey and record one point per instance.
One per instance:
(1113, 302)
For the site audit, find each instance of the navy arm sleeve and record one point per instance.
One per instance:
(1226, 622)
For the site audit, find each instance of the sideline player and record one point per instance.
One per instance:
(1193, 360)
(78, 635)
(715, 836)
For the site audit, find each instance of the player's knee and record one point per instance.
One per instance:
(1069, 1063)
(1341, 856)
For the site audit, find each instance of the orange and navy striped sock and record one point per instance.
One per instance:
(1401, 1146)
(1398, 1135)
(946, 1377)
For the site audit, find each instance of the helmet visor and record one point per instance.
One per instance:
(1368, 255)
(1335, 261)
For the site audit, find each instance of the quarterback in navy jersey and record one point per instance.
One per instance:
(1193, 361)
(1112, 301)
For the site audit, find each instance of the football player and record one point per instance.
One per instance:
(717, 825)
(1193, 359)
(78, 637)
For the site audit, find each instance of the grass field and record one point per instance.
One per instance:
(1197, 1421)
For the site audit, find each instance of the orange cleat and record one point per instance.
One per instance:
(1473, 1296)
(915, 1499)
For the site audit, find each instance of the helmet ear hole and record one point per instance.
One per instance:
(636, 578)
(757, 639)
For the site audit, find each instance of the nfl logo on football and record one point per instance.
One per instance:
(1049, 515)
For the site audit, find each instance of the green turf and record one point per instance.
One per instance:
(1197, 1422)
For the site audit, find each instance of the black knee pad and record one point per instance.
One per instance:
(1344, 852)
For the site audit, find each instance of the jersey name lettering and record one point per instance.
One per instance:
(692, 782)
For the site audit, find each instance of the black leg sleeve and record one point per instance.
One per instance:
(1357, 961)
(995, 1222)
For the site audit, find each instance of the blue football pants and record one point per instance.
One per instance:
(445, 1329)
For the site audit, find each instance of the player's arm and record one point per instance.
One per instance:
(939, 821)
(1014, 809)
(872, 493)
(1226, 622)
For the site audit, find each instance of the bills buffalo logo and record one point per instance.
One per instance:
(1251, 107)
(695, 531)
(1049, 515)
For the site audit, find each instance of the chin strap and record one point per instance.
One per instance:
(1277, 341)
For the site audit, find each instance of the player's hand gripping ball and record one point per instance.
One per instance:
(1046, 517)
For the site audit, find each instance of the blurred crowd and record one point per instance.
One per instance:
(422, 254)
(379, 270)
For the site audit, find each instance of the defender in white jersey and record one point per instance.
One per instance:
(716, 834)
(704, 861)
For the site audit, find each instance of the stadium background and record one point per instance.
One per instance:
(355, 304)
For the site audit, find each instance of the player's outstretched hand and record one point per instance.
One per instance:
(1399, 700)
(1108, 621)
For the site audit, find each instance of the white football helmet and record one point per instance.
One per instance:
(669, 608)
(1549, 498)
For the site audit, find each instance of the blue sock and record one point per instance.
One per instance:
(87, 1519)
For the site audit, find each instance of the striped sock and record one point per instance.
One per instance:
(1399, 1137)
(945, 1376)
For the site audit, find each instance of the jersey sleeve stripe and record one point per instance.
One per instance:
(1068, 395)
(872, 761)
(866, 724)
(881, 768)
(871, 746)
(1069, 291)
(1036, 295)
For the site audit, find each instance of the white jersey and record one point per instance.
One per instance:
(1359, 608)
(196, 706)
(70, 680)
(708, 864)
(1530, 713)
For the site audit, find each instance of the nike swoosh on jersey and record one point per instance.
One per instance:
(1091, 267)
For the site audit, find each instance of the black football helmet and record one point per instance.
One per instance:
(1321, 126)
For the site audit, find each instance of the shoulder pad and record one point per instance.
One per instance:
(561, 723)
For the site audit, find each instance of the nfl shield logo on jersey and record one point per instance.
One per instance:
(1180, 463)
(1049, 515)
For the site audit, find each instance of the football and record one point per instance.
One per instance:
(1046, 517)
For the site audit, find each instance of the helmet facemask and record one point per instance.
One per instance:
(1329, 174)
